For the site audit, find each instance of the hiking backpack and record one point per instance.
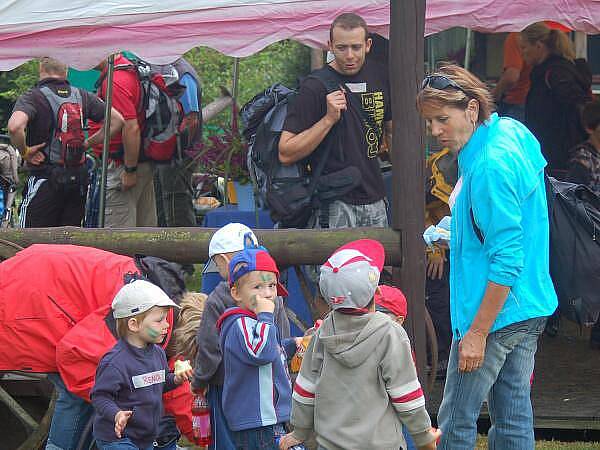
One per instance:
(574, 220)
(160, 108)
(66, 141)
(292, 192)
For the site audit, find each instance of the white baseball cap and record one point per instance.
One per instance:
(137, 297)
(233, 237)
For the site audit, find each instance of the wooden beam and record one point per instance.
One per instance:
(407, 28)
(190, 245)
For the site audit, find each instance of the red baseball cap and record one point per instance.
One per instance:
(391, 299)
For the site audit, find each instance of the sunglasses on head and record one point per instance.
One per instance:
(440, 82)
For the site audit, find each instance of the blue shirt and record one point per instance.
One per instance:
(256, 391)
(129, 378)
(502, 174)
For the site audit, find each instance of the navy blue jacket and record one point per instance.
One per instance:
(129, 378)
(257, 391)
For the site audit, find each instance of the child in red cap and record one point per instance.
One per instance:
(358, 385)
(256, 391)
(391, 301)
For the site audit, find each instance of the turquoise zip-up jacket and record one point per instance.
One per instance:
(502, 172)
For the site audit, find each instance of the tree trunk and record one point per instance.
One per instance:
(190, 245)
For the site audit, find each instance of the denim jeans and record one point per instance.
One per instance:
(71, 415)
(504, 378)
(262, 438)
(119, 444)
(222, 439)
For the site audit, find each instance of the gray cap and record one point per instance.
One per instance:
(137, 297)
(350, 276)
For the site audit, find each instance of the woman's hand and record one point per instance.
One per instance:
(288, 441)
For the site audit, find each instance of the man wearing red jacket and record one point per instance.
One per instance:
(56, 315)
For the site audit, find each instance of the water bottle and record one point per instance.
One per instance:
(201, 420)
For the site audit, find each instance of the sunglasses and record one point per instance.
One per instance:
(440, 82)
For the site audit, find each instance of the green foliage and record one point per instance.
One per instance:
(281, 62)
(13, 84)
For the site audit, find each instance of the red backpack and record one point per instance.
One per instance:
(66, 142)
(160, 108)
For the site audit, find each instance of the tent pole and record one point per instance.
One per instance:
(105, 145)
(468, 49)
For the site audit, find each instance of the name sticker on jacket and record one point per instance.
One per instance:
(148, 379)
(357, 88)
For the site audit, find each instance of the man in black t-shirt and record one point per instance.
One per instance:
(314, 113)
(54, 195)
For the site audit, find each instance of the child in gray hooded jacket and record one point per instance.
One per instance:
(358, 385)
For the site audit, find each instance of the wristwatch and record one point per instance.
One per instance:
(132, 169)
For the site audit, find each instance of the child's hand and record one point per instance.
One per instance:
(121, 419)
(288, 441)
(436, 434)
(185, 375)
(264, 304)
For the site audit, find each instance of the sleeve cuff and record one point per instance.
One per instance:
(265, 317)
(422, 438)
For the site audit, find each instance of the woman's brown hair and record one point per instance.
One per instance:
(556, 41)
(469, 88)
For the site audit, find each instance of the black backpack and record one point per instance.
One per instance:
(292, 192)
(574, 216)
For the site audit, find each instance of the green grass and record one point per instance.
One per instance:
(549, 445)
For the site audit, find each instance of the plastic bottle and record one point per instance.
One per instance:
(201, 420)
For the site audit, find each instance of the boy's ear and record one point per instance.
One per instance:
(133, 324)
(235, 293)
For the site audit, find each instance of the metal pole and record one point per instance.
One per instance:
(468, 49)
(235, 87)
(106, 144)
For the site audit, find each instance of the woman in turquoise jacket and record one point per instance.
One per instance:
(500, 288)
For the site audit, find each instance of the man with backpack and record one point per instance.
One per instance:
(47, 127)
(173, 183)
(130, 197)
(336, 122)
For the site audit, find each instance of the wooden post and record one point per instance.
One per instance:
(407, 28)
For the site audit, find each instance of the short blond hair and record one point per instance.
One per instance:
(471, 88)
(190, 316)
(53, 66)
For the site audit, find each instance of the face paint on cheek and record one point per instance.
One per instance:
(152, 333)
(253, 301)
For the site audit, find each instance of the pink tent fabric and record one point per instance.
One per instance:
(82, 32)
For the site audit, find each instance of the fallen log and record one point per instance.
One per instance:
(190, 245)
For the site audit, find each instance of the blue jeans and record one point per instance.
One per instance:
(504, 378)
(262, 438)
(71, 415)
(119, 444)
(222, 439)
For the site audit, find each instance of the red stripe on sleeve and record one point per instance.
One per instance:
(409, 397)
(303, 392)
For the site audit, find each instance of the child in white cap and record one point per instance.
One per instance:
(131, 378)
(209, 372)
(358, 384)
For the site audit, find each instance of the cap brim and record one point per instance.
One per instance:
(167, 303)
(281, 290)
(210, 267)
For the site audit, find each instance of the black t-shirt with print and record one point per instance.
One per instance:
(359, 143)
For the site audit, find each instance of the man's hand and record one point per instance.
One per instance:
(436, 433)
(435, 265)
(288, 441)
(336, 103)
(128, 180)
(471, 350)
(34, 156)
(121, 419)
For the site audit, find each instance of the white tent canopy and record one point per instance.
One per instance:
(82, 32)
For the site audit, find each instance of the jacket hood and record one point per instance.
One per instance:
(350, 339)
(229, 316)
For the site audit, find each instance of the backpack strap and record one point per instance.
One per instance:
(333, 82)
